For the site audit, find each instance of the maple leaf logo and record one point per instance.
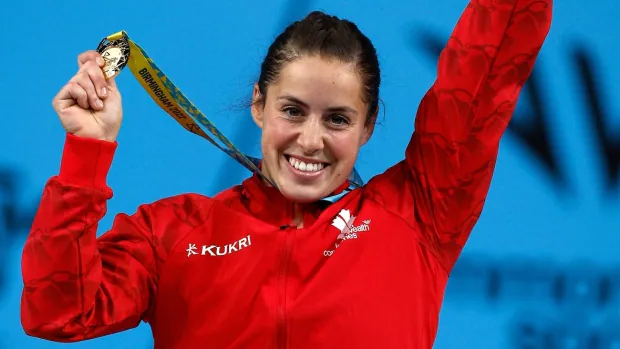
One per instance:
(340, 222)
(343, 222)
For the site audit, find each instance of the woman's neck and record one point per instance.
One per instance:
(298, 215)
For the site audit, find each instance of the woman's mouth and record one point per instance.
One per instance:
(306, 165)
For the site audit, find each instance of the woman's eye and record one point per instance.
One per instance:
(293, 112)
(338, 120)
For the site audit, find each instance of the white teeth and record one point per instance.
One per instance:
(306, 167)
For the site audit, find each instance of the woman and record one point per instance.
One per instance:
(259, 266)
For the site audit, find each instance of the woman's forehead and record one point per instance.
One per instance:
(312, 78)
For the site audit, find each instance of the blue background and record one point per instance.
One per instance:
(540, 269)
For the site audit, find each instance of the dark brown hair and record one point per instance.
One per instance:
(328, 37)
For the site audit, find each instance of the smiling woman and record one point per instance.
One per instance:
(261, 266)
(313, 121)
(316, 102)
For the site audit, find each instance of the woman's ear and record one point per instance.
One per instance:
(258, 101)
(369, 128)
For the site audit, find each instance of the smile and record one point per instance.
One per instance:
(305, 166)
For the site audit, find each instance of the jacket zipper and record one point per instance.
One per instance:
(282, 278)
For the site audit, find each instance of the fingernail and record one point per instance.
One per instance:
(99, 103)
(100, 61)
(104, 91)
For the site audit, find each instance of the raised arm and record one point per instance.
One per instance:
(76, 286)
(443, 182)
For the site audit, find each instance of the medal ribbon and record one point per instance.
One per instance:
(118, 50)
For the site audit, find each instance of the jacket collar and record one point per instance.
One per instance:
(266, 203)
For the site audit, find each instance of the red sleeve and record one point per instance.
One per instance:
(78, 286)
(443, 182)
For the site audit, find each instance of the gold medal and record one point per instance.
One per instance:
(115, 53)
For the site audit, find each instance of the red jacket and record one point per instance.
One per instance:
(368, 271)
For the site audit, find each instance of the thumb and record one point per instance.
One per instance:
(112, 86)
(112, 82)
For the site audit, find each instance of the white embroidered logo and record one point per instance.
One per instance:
(191, 250)
(215, 250)
(344, 223)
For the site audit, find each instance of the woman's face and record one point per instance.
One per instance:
(313, 122)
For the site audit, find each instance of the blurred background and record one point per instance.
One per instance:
(541, 267)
